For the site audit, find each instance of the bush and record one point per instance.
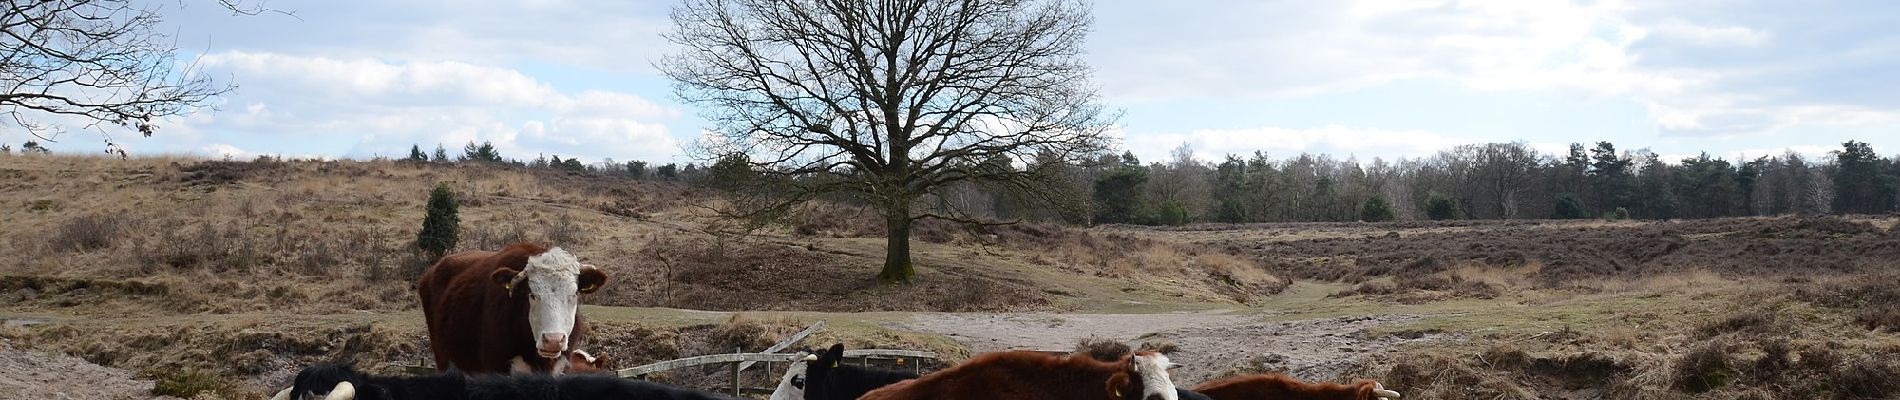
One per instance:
(440, 224)
(1568, 207)
(1619, 213)
(1103, 349)
(1705, 368)
(188, 384)
(1377, 210)
(1441, 207)
(1173, 214)
(91, 232)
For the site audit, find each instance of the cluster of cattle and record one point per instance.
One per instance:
(501, 324)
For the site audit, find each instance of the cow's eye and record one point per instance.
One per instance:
(534, 297)
(798, 382)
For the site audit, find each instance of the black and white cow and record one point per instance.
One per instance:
(332, 382)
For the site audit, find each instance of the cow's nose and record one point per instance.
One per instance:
(554, 340)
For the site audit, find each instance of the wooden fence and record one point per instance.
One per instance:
(772, 356)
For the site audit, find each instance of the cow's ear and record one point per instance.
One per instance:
(504, 277)
(591, 279)
(833, 356)
(1115, 384)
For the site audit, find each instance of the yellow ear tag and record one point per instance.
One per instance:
(589, 288)
(834, 363)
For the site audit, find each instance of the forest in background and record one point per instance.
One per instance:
(1477, 181)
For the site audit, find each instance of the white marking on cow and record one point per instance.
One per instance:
(792, 385)
(553, 299)
(1155, 382)
(516, 366)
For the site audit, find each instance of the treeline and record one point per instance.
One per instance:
(485, 152)
(1478, 181)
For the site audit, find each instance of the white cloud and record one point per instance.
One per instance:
(1707, 68)
(383, 107)
(1338, 141)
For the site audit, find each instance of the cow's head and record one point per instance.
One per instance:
(818, 372)
(1152, 371)
(553, 282)
(792, 385)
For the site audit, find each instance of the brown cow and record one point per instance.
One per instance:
(575, 361)
(1282, 387)
(487, 309)
(1028, 375)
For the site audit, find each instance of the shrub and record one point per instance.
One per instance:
(1377, 210)
(1441, 207)
(188, 384)
(1619, 213)
(439, 224)
(1704, 368)
(1568, 207)
(1866, 378)
(1172, 213)
(1103, 349)
(90, 232)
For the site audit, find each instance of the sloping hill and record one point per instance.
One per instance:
(188, 236)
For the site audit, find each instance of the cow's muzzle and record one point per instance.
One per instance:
(552, 344)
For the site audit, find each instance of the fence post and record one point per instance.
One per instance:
(735, 374)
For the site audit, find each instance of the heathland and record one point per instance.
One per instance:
(221, 278)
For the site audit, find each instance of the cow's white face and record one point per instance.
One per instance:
(555, 282)
(792, 385)
(1155, 383)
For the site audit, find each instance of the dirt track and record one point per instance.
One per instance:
(1209, 343)
(40, 375)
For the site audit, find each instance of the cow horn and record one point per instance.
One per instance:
(811, 357)
(282, 395)
(1380, 391)
(343, 391)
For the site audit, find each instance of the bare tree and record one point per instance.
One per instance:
(99, 61)
(887, 102)
(1504, 172)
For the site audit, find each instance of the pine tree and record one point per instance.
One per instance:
(1568, 206)
(440, 223)
(441, 154)
(416, 154)
(637, 170)
(1377, 210)
(1441, 207)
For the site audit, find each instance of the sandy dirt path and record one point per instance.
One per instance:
(1209, 342)
(41, 375)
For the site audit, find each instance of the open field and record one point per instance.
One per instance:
(228, 276)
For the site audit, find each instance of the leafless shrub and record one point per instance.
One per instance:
(1866, 378)
(317, 258)
(1102, 349)
(86, 233)
(565, 232)
(1704, 368)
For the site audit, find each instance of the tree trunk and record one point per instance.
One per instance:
(897, 266)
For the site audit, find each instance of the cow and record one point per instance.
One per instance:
(793, 385)
(575, 361)
(336, 382)
(828, 378)
(1282, 387)
(1030, 375)
(486, 310)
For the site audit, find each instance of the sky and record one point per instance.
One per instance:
(1353, 78)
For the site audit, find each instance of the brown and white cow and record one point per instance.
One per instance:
(1282, 387)
(487, 310)
(1029, 375)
